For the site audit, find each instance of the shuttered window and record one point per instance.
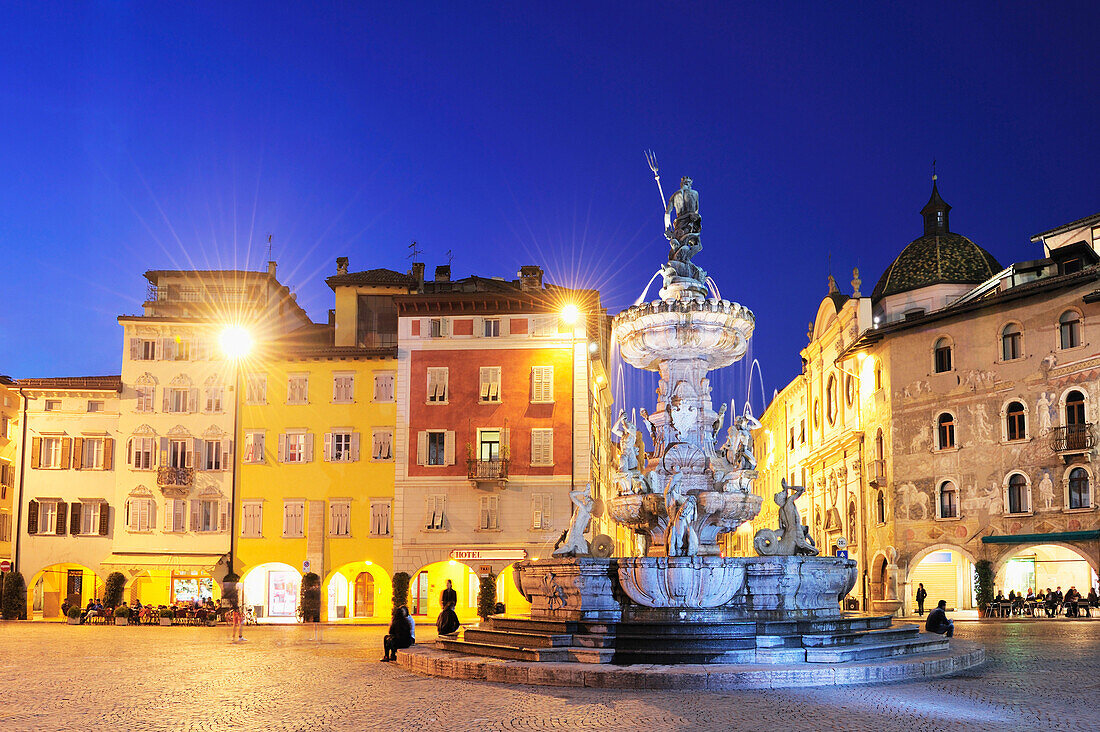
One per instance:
(489, 514)
(297, 389)
(542, 384)
(541, 510)
(436, 512)
(339, 518)
(437, 385)
(489, 390)
(341, 446)
(141, 453)
(144, 398)
(343, 388)
(542, 446)
(256, 392)
(252, 519)
(383, 387)
(139, 514)
(382, 445)
(254, 447)
(293, 519)
(380, 518)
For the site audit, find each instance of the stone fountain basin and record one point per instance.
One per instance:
(725, 509)
(716, 331)
(680, 582)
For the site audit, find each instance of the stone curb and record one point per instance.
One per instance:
(429, 661)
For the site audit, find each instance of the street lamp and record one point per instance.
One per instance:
(236, 344)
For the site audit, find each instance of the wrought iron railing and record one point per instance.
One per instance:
(175, 476)
(487, 469)
(1072, 438)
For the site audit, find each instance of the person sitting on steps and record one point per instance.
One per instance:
(937, 621)
(400, 635)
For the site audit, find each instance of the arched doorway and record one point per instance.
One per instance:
(51, 586)
(428, 583)
(509, 594)
(359, 591)
(947, 574)
(169, 587)
(879, 578)
(1042, 566)
(271, 590)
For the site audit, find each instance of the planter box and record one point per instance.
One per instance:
(73, 621)
(121, 621)
(166, 621)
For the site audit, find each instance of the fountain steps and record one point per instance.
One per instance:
(927, 643)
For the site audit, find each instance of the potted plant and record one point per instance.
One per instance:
(400, 589)
(983, 585)
(74, 615)
(310, 598)
(166, 616)
(122, 615)
(15, 596)
(486, 595)
(113, 589)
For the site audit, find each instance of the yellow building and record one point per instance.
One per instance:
(316, 465)
(10, 425)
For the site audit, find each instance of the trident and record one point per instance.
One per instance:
(651, 158)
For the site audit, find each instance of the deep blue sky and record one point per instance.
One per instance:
(135, 136)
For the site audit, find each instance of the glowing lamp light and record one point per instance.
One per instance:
(570, 314)
(235, 341)
(593, 347)
(452, 562)
(861, 357)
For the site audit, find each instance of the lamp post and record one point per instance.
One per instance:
(570, 314)
(236, 343)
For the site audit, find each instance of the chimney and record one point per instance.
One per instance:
(341, 265)
(531, 277)
(417, 273)
(443, 273)
(271, 268)
(332, 317)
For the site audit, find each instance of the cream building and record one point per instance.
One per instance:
(11, 425)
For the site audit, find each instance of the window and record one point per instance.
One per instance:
(1078, 489)
(216, 455)
(383, 387)
(492, 327)
(342, 446)
(377, 321)
(943, 356)
(945, 431)
(436, 448)
(256, 391)
(1016, 422)
(817, 414)
(297, 389)
(488, 445)
(1075, 408)
(437, 385)
(95, 406)
(179, 456)
(343, 388)
(544, 325)
(1069, 329)
(141, 453)
(1017, 494)
(542, 446)
(541, 511)
(47, 518)
(880, 445)
(850, 390)
(489, 389)
(143, 349)
(254, 447)
(252, 519)
(207, 515)
(380, 518)
(880, 508)
(5, 526)
(339, 518)
(437, 327)
(92, 457)
(489, 514)
(51, 452)
(144, 398)
(830, 400)
(382, 445)
(53, 405)
(1011, 338)
(175, 515)
(436, 514)
(790, 445)
(293, 515)
(878, 375)
(949, 500)
(214, 396)
(175, 400)
(296, 447)
(139, 514)
(802, 432)
(542, 384)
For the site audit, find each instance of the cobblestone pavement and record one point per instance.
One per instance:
(1041, 675)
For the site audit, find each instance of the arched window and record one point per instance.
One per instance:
(949, 500)
(1079, 488)
(1011, 337)
(880, 447)
(1069, 329)
(850, 390)
(851, 522)
(830, 400)
(943, 356)
(1017, 494)
(1075, 408)
(1016, 421)
(878, 375)
(945, 430)
(880, 508)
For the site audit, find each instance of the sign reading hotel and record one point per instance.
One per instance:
(510, 555)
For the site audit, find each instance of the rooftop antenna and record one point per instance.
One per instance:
(651, 158)
(934, 176)
(414, 251)
(269, 247)
(450, 257)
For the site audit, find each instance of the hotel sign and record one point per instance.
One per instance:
(510, 555)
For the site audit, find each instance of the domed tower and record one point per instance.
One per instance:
(932, 270)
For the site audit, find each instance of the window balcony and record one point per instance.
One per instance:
(168, 477)
(1072, 439)
(487, 473)
(876, 472)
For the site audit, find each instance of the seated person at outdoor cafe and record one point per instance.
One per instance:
(937, 621)
(1072, 598)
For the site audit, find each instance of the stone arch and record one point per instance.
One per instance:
(1014, 549)
(936, 441)
(1004, 417)
(1006, 505)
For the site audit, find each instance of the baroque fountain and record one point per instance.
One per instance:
(682, 602)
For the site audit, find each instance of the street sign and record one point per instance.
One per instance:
(841, 543)
(5, 566)
(842, 553)
(305, 566)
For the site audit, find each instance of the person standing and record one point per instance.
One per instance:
(921, 595)
(449, 598)
(447, 622)
(937, 621)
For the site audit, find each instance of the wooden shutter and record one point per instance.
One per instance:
(130, 451)
(282, 447)
(505, 443)
(62, 514)
(421, 448)
(66, 451)
(78, 454)
(328, 447)
(165, 392)
(223, 515)
(135, 349)
(109, 453)
(169, 504)
(32, 516)
(104, 518)
(194, 515)
(36, 452)
(74, 517)
(308, 441)
(227, 454)
(483, 522)
(179, 513)
(189, 453)
(449, 447)
(193, 400)
(355, 446)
